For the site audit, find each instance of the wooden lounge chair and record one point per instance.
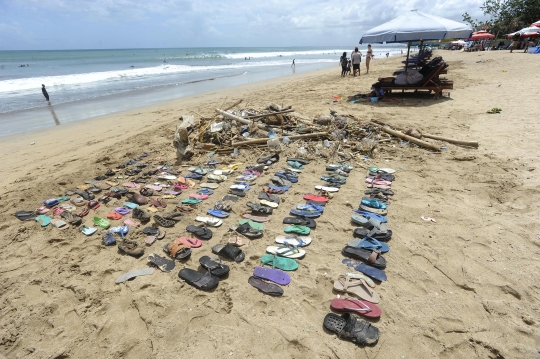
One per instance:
(431, 82)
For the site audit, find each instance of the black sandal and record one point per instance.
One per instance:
(348, 327)
(229, 251)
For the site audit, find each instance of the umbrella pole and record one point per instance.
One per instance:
(408, 50)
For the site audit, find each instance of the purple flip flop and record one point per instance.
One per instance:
(174, 193)
(154, 187)
(122, 210)
(274, 275)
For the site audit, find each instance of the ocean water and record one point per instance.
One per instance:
(88, 83)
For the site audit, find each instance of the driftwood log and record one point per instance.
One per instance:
(184, 151)
(409, 138)
(450, 140)
(294, 137)
(240, 119)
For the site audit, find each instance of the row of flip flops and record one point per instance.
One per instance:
(364, 256)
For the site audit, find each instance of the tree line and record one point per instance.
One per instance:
(506, 16)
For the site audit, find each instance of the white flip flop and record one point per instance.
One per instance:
(327, 189)
(210, 221)
(268, 203)
(287, 252)
(297, 241)
(132, 274)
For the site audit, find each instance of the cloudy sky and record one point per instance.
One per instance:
(91, 24)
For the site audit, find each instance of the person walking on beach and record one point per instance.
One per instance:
(515, 41)
(369, 56)
(356, 58)
(293, 64)
(343, 60)
(45, 93)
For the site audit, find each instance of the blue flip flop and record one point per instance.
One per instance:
(130, 205)
(370, 271)
(291, 179)
(303, 213)
(218, 213)
(193, 176)
(370, 244)
(295, 164)
(121, 230)
(278, 189)
(373, 204)
(207, 191)
(381, 219)
(310, 206)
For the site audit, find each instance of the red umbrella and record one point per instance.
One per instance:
(481, 35)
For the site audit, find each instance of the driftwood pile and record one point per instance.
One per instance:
(244, 127)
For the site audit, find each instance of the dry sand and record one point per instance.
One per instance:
(463, 287)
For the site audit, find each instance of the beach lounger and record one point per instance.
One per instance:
(431, 82)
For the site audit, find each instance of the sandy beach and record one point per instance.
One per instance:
(462, 287)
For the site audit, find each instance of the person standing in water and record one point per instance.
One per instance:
(45, 93)
(293, 64)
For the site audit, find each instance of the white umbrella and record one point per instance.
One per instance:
(529, 30)
(415, 26)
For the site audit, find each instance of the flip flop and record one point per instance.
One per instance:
(204, 281)
(282, 263)
(371, 272)
(297, 229)
(72, 219)
(40, 210)
(382, 212)
(229, 251)
(132, 274)
(214, 266)
(381, 170)
(238, 240)
(206, 191)
(190, 242)
(304, 221)
(349, 328)
(60, 224)
(199, 196)
(122, 210)
(200, 231)
(357, 287)
(209, 185)
(269, 197)
(296, 241)
(369, 243)
(213, 222)
(164, 264)
(132, 223)
(360, 307)
(218, 213)
(131, 248)
(258, 219)
(372, 258)
(163, 222)
(286, 251)
(381, 219)
(43, 220)
(372, 203)
(265, 287)
(248, 231)
(196, 176)
(177, 250)
(306, 214)
(130, 205)
(267, 203)
(223, 206)
(274, 275)
(315, 198)
(114, 216)
(327, 189)
(100, 222)
(310, 206)
(252, 224)
(299, 160)
(88, 231)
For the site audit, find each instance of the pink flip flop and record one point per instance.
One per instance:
(361, 307)
(190, 242)
(154, 187)
(199, 196)
(378, 181)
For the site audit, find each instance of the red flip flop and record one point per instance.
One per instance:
(361, 307)
(190, 242)
(114, 215)
(315, 198)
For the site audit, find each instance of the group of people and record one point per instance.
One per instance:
(354, 61)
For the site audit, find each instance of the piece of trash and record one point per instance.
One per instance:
(33, 143)
(428, 219)
(444, 148)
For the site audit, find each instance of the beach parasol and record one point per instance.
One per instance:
(536, 24)
(481, 35)
(526, 32)
(416, 26)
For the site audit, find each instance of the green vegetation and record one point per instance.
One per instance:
(506, 15)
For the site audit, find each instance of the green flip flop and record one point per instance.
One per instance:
(282, 263)
(43, 220)
(252, 224)
(63, 199)
(101, 222)
(191, 201)
(297, 229)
